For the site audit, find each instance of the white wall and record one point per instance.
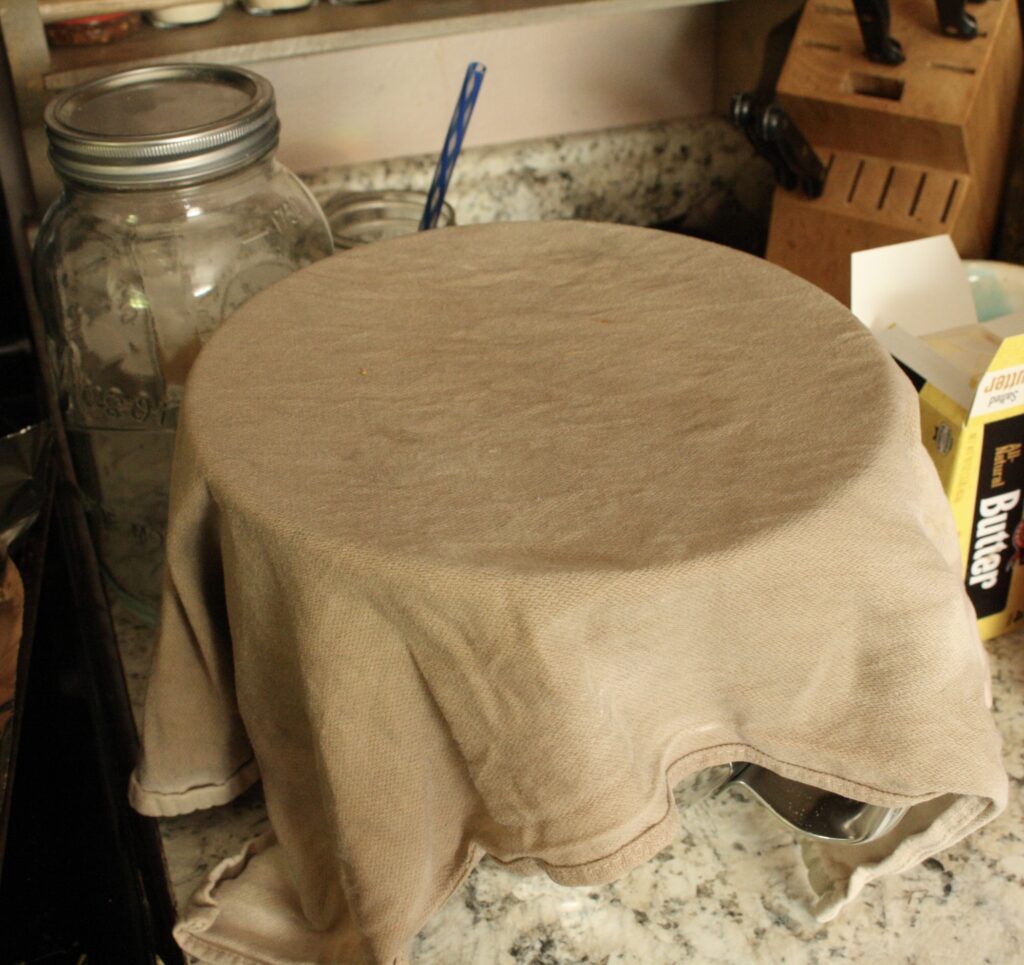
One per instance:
(571, 76)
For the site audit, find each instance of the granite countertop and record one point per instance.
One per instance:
(697, 175)
(730, 888)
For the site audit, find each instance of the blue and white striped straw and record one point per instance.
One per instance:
(452, 144)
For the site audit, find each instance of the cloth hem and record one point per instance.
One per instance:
(165, 804)
(832, 893)
(827, 896)
(601, 869)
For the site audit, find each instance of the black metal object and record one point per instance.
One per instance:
(769, 129)
(775, 137)
(778, 129)
(26, 499)
(28, 556)
(746, 114)
(875, 19)
(955, 21)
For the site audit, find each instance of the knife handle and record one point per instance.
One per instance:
(778, 130)
(955, 21)
(873, 17)
(746, 114)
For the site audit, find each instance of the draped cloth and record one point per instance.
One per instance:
(483, 539)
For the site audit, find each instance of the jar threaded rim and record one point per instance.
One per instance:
(171, 124)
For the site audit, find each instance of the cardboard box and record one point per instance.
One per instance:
(916, 299)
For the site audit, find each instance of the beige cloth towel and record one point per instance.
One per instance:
(483, 539)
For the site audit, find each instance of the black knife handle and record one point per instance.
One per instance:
(873, 17)
(746, 112)
(778, 130)
(955, 21)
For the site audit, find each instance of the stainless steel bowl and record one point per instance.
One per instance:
(808, 810)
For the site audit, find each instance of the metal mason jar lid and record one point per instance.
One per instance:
(158, 126)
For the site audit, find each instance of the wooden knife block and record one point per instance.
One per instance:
(912, 150)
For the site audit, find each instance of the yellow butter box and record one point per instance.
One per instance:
(918, 300)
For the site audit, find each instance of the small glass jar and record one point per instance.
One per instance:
(186, 15)
(103, 28)
(363, 217)
(174, 212)
(266, 8)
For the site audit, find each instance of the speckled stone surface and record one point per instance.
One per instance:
(730, 889)
(698, 173)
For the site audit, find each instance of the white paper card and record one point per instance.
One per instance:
(919, 285)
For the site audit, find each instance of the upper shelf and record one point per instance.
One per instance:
(239, 38)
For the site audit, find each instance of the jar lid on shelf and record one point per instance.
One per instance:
(165, 125)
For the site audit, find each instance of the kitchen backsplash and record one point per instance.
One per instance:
(696, 175)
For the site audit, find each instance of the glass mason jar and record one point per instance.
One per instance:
(174, 212)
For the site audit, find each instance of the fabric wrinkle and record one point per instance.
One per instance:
(552, 517)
